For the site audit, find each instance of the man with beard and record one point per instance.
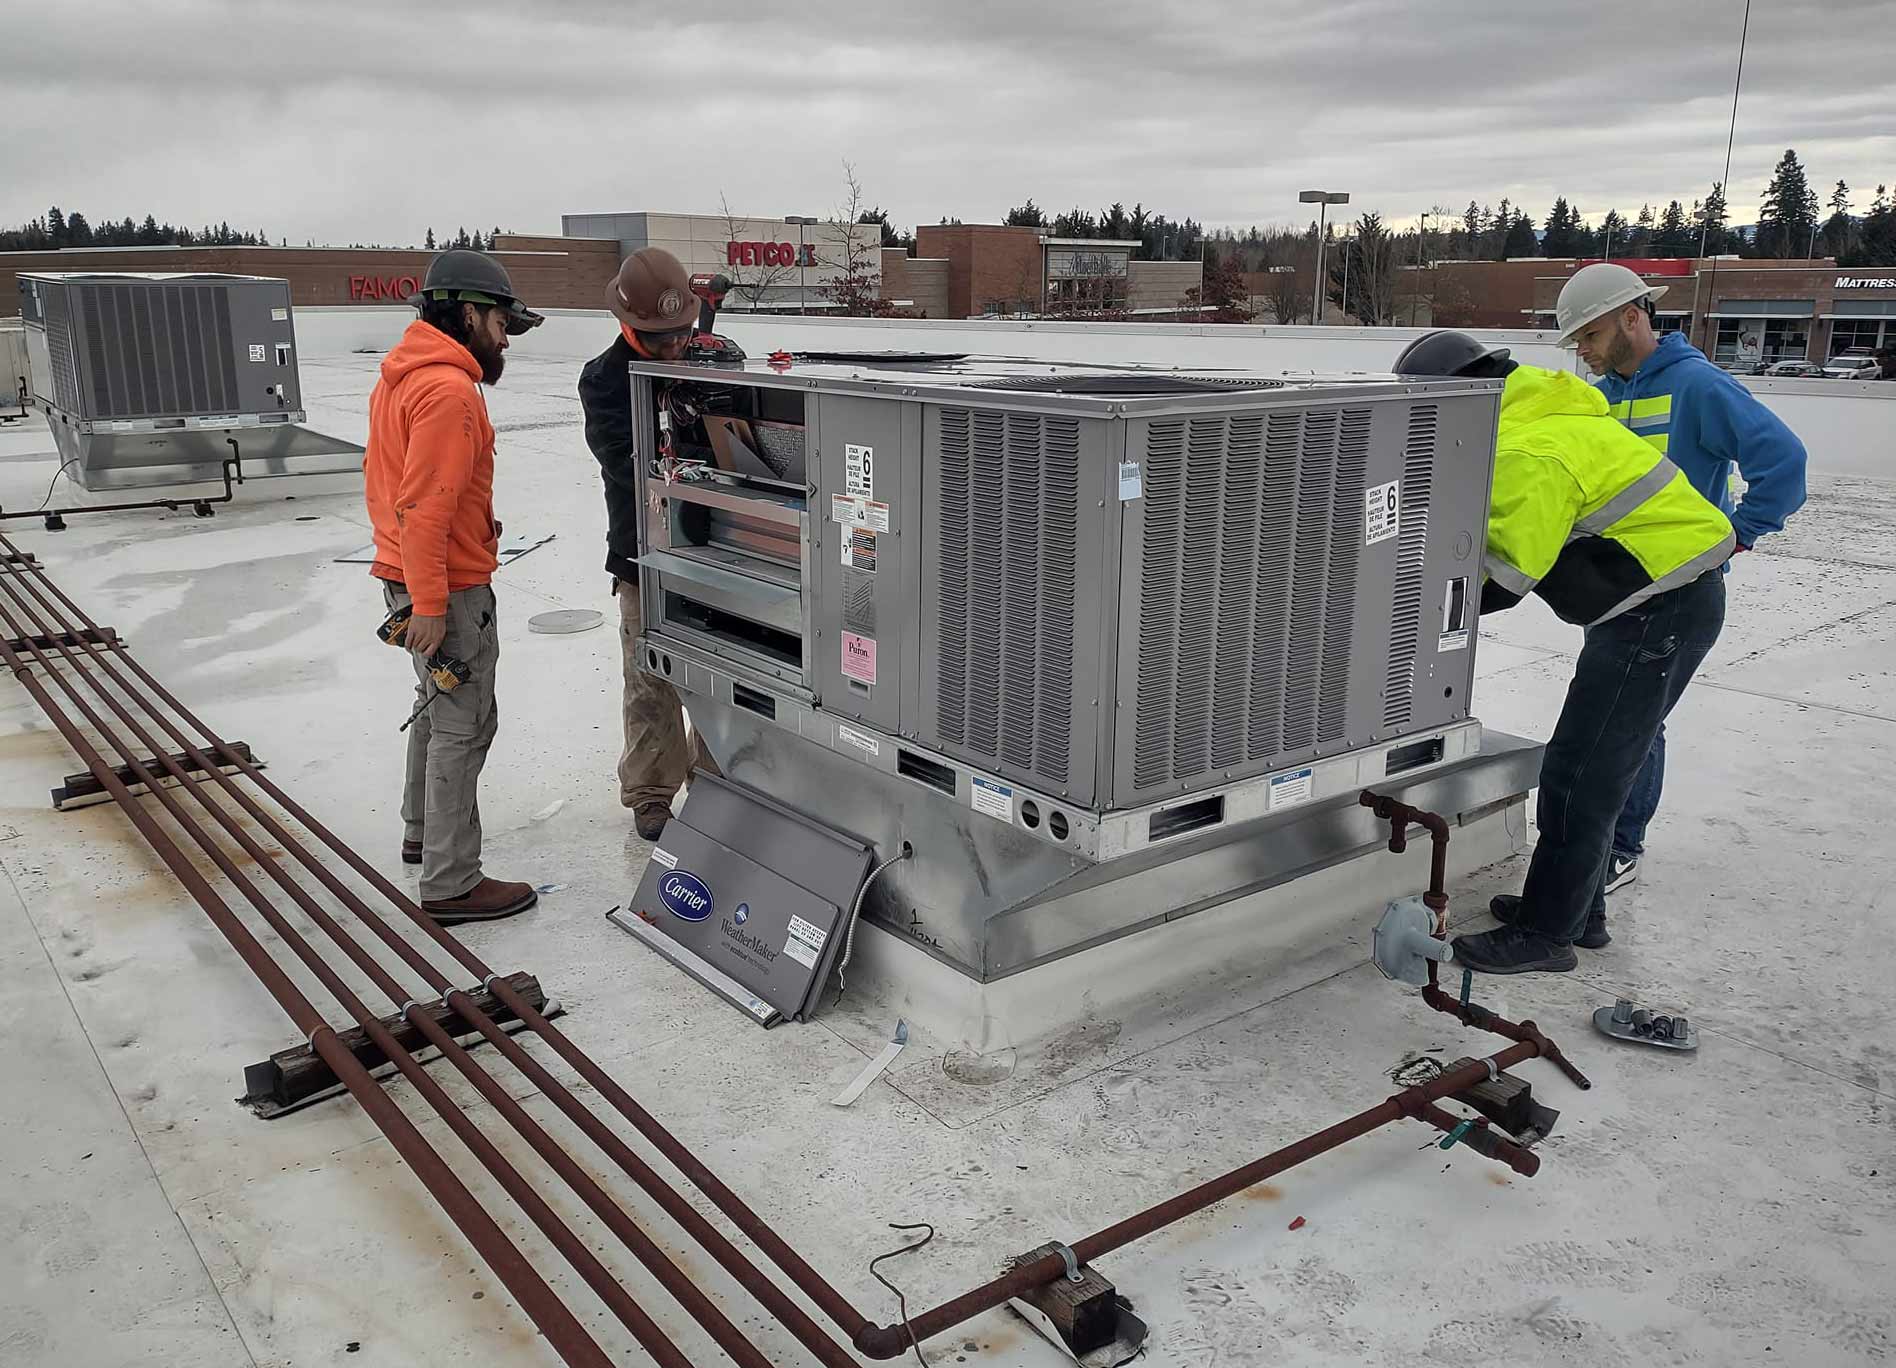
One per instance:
(429, 482)
(1701, 420)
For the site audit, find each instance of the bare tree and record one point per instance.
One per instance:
(752, 278)
(856, 289)
(1288, 294)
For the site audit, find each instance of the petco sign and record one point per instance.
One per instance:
(769, 254)
(1865, 283)
(383, 287)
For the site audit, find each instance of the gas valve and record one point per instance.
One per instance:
(1404, 942)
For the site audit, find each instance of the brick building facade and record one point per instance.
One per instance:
(549, 272)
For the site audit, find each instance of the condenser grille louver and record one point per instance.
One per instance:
(59, 351)
(1405, 618)
(157, 350)
(1250, 539)
(1008, 522)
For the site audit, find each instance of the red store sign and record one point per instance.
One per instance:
(769, 254)
(383, 287)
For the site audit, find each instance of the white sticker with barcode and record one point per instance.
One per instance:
(1382, 512)
(862, 741)
(1131, 482)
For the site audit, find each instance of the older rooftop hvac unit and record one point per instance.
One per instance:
(1094, 648)
(146, 379)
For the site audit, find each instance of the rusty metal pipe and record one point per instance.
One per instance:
(1483, 1138)
(1475, 1015)
(674, 1280)
(883, 1342)
(1401, 817)
(794, 1318)
(529, 1290)
(831, 1302)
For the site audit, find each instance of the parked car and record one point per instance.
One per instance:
(1858, 363)
(1793, 370)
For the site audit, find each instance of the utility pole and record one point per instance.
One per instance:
(1415, 290)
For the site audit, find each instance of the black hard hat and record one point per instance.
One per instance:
(478, 279)
(1445, 353)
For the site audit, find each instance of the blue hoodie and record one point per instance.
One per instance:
(1706, 422)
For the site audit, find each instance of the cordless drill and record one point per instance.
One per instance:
(448, 673)
(706, 345)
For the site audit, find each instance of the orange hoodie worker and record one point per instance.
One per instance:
(428, 479)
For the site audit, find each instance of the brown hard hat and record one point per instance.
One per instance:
(651, 293)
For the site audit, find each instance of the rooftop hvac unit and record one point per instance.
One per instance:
(147, 379)
(1084, 642)
(16, 388)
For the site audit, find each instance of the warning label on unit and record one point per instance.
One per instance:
(859, 549)
(993, 799)
(256, 351)
(280, 315)
(800, 952)
(853, 510)
(1131, 482)
(665, 858)
(859, 657)
(1288, 790)
(849, 736)
(1382, 512)
(1451, 641)
(860, 470)
(812, 936)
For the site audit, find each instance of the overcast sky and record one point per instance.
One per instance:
(341, 121)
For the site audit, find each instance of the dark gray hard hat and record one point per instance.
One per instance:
(476, 278)
(1445, 353)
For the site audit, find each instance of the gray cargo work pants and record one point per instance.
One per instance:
(447, 746)
(658, 755)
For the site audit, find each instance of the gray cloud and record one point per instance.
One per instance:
(349, 120)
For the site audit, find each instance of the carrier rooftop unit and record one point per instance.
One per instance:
(148, 380)
(1088, 648)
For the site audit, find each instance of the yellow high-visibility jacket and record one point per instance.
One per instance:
(1584, 513)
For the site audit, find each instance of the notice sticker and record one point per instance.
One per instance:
(812, 936)
(994, 799)
(852, 510)
(257, 351)
(859, 470)
(859, 657)
(1382, 512)
(849, 736)
(664, 858)
(1288, 790)
(859, 550)
(279, 315)
(1131, 481)
(800, 952)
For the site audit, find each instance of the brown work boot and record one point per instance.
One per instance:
(650, 819)
(488, 900)
(411, 852)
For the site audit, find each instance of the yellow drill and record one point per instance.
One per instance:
(448, 673)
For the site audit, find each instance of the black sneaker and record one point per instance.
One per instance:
(1506, 909)
(1620, 871)
(1510, 950)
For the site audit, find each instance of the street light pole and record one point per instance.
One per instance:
(1323, 199)
(803, 304)
(1415, 290)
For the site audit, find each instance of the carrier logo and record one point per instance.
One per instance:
(685, 896)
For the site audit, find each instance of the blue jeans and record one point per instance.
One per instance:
(1629, 835)
(1630, 673)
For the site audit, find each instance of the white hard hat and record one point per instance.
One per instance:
(1595, 291)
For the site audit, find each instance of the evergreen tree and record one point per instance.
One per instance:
(1839, 228)
(1520, 241)
(1561, 223)
(78, 231)
(56, 226)
(1788, 216)
(1641, 241)
(1708, 223)
(1471, 229)
(429, 244)
(1876, 244)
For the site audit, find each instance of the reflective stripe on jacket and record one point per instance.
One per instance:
(1585, 513)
